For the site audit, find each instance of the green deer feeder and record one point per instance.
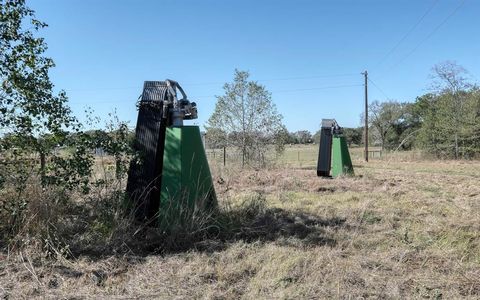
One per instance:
(169, 180)
(333, 155)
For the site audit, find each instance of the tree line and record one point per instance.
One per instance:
(444, 122)
(35, 119)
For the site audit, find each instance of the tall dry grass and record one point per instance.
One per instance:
(404, 228)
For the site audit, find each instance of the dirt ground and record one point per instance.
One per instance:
(397, 229)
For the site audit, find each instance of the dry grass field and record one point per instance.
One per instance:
(402, 227)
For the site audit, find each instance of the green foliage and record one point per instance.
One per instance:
(445, 135)
(298, 137)
(391, 122)
(248, 117)
(116, 141)
(46, 158)
(450, 115)
(28, 104)
(353, 135)
(281, 138)
(445, 122)
(36, 120)
(302, 137)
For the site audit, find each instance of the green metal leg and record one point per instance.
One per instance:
(341, 162)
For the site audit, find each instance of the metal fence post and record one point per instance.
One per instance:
(224, 156)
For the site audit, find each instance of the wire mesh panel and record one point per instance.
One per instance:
(145, 168)
(325, 148)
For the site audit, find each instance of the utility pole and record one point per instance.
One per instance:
(365, 74)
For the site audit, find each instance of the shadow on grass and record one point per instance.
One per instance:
(251, 221)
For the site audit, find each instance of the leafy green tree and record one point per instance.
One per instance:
(429, 135)
(289, 137)
(37, 119)
(393, 123)
(450, 114)
(451, 87)
(247, 109)
(28, 104)
(472, 134)
(353, 135)
(281, 138)
(41, 142)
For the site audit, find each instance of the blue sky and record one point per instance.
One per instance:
(309, 54)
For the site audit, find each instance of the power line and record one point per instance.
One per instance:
(407, 34)
(280, 79)
(309, 77)
(104, 89)
(378, 88)
(319, 88)
(430, 34)
(212, 96)
(218, 82)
